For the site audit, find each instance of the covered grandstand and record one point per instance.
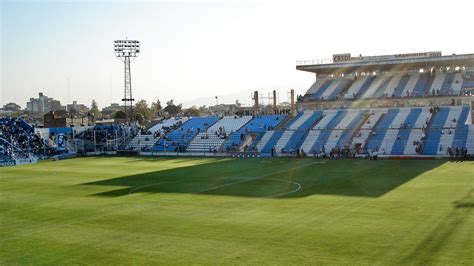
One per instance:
(409, 105)
(402, 105)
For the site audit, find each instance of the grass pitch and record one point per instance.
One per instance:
(131, 210)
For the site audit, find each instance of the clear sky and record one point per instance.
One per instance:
(192, 51)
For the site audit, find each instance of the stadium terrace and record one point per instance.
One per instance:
(268, 204)
(401, 105)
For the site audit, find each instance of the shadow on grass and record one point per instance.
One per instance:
(466, 203)
(285, 178)
(449, 226)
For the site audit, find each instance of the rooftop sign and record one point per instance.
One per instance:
(337, 58)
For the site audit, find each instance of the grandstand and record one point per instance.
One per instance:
(394, 105)
(214, 137)
(391, 76)
(180, 138)
(355, 108)
(389, 131)
(23, 143)
(147, 140)
(248, 136)
(18, 139)
(434, 91)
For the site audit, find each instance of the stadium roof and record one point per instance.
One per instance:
(384, 63)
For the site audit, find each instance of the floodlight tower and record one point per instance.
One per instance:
(126, 51)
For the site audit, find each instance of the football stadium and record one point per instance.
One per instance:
(373, 164)
(373, 167)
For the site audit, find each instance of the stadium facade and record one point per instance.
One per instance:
(402, 105)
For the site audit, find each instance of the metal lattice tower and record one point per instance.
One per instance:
(127, 97)
(126, 51)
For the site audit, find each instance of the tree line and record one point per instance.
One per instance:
(144, 112)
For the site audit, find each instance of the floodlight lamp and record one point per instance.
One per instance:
(126, 48)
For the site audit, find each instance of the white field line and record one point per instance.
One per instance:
(298, 187)
(285, 193)
(254, 178)
(21, 235)
(149, 185)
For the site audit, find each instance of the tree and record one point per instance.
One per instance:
(204, 110)
(141, 107)
(156, 106)
(95, 109)
(139, 118)
(173, 109)
(13, 107)
(120, 115)
(193, 111)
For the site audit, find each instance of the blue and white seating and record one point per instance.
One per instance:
(141, 142)
(457, 83)
(355, 87)
(167, 123)
(283, 140)
(391, 86)
(470, 139)
(380, 81)
(310, 141)
(257, 126)
(378, 134)
(389, 131)
(340, 137)
(386, 85)
(179, 138)
(442, 132)
(409, 86)
(437, 83)
(413, 133)
(216, 135)
(147, 141)
(318, 85)
(268, 141)
(289, 140)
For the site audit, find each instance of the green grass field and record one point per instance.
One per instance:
(132, 210)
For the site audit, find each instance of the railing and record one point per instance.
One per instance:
(387, 59)
(313, 62)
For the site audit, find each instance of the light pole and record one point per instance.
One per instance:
(126, 51)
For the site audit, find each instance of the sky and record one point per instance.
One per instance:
(192, 51)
